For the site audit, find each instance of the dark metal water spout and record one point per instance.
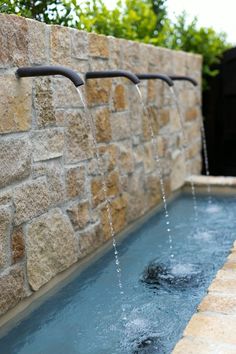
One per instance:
(50, 70)
(113, 73)
(162, 77)
(184, 78)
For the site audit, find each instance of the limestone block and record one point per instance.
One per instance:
(178, 171)
(126, 157)
(120, 125)
(103, 125)
(118, 209)
(5, 224)
(79, 214)
(30, 199)
(98, 91)
(15, 160)
(79, 44)
(218, 303)
(114, 52)
(98, 45)
(153, 190)
(13, 41)
(11, 288)
(75, 182)
(78, 138)
(60, 45)
(37, 46)
(56, 185)
(90, 239)
(17, 244)
(51, 247)
(43, 102)
(65, 94)
(189, 345)
(119, 98)
(15, 104)
(109, 156)
(217, 328)
(47, 144)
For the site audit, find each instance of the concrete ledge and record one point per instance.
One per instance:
(213, 328)
(212, 181)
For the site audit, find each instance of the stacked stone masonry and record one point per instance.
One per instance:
(52, 210)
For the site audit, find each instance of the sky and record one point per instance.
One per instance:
(221, 15)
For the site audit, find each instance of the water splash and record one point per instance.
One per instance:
(160, 173)
(184, 150)
(91, 128)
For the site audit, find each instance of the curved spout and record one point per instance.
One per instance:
(184, 78)
(113, 73)
(162, 77)
(50, 70)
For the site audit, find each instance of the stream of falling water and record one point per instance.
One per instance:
(160, 173)
(91, 128)
(184, 150)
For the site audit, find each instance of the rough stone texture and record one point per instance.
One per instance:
(48, 156)
(79, 215)
(47, 144)
(51, 247)
(103, 125)
(75, 182)
(30, 199)
(5, 224)
(15, 160)
(11, 288)
(15, 105)
(18, 244)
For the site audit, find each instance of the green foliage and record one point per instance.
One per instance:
(139, 20)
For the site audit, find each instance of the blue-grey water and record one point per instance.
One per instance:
(85, 317)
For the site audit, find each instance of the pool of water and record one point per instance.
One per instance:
(85, 317)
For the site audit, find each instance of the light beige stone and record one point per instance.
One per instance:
(43, 102)
(90, 239)
(5, 225)
(103, 125)
(15, 104)
(11, 288)
(75, 182)
(224, 285)
(60, 45)
(51, 247)
(30, 199)
(37, 46)
(15, 160)
(178, 170)
(79, 44)
(120, 126)
(47, 144)
(189, 345)
(218, 303)
(78, 138)
(217, 328)
(13, 41)
(98, 91)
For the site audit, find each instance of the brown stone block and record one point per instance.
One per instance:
(15, 160)
(90, 239)
(43, 102)
(79, 44)
(78, 138)
(5, 224)
(103, 125)
(75, 182)
(164, 117)
(17, 244)
(126, 158)
(153, 190)
(98, 45)
(113, 184)
(60, 45)
(11, 288)
(191, 114)
(227, 286)
(97, 191)
(79, 215)
(38, 45)
(109, 156)
(30, 199)
(119, 98)
(120, 124)
(16, 104)
(98, 91)
(118, 209)
(47, 144)
(14, 41)
(51, 247)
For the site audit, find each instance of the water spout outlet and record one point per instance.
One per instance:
(162, 77)
(50, 71)
(113, 73)
(184, 78)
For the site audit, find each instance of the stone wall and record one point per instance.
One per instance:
(52, 210)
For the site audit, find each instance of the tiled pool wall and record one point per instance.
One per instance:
(52, 211)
